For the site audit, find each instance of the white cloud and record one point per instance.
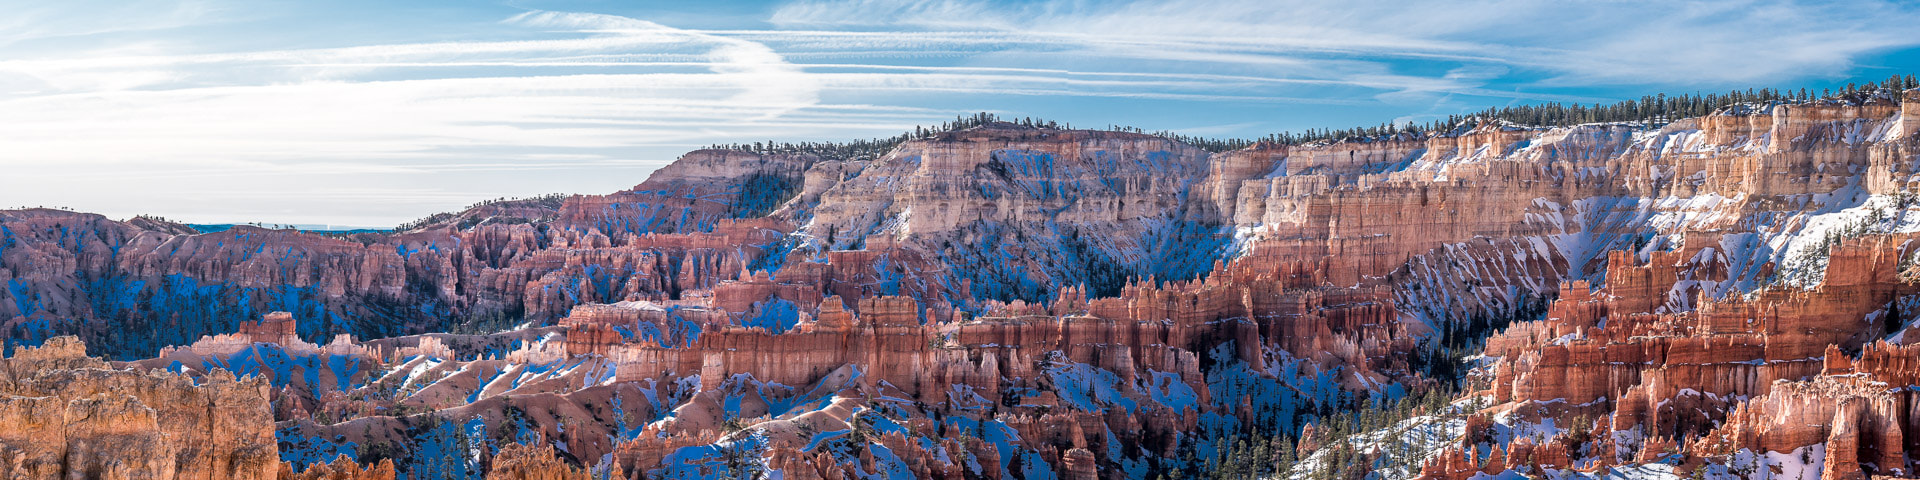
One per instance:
(139, 117)
(36, 21)
(127, 134)
(1635, 42)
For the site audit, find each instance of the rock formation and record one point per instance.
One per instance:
(524, 462)
(66, 415)
(342, 468)
(1008, 301)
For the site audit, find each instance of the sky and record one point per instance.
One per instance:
(372, 113)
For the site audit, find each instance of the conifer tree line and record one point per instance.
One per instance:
(548, 201)
(1652, 109)
(870, 149)
(1662, 108)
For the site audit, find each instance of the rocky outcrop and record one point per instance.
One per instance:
(1761, 373)
(1010, 302)
(342, 468)
(63, 414)
(696, 193)
(526, 462)
(1069, 379)
(1848, 408)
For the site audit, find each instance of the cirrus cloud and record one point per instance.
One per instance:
(214, 110)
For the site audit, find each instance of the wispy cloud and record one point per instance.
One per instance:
(80, 18)
(86, 128)
(159, 107)
(1634, 41)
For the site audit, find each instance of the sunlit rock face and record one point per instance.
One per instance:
(1848, 409)
(1722, 294)
(696, 193)
(66, 415)
(1013, 212)
(1751, 331)
(342, 468)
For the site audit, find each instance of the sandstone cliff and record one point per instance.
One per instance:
(66, 415)
(1016, 302)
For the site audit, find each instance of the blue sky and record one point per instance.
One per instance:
(368, 113)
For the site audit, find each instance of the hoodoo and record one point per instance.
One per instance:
(1731, 293)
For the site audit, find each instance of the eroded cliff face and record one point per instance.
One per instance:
(655, 387)
(130, 290)
(1848, 410)
(1726, 335)
(1006, 212)
(1015, 302)
(1653, 378)
(695, 194)
(66, 415)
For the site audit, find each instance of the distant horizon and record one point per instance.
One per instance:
(331, 227)
(305, 227)
(217, 111)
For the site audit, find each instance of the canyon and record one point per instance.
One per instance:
(1724, 295)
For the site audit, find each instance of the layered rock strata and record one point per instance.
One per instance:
(66, 415)
(1016, 302)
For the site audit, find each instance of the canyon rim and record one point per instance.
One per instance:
(1556, 284)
